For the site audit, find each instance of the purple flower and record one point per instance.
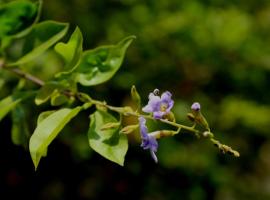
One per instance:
(159, 106)
(196, 106)
(148, 141)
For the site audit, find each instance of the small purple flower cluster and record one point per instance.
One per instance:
(159, 107)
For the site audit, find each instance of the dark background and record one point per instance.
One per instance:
(214, 52)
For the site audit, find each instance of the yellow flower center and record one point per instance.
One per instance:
(163, 107)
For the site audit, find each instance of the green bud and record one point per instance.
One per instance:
(135, 96)
(162, 133)
(83, 97)
(200, 119)
(87, 105)
(58, 99)
(129, 129)
(169, 117)
(208, 134)
(191, 117)
(110, 125)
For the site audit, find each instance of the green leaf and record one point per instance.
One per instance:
(19, 132)
(52, 90)
(41, 37)
(45, 92)
(47, 130)
(108, 143)
(71, 51)
(100, 64)
(58, 99)
(44, 115)
(9, 103)
(16, 17)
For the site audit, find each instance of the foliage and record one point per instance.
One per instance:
(89, 68)
(212, 51)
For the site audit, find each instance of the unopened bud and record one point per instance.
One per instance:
(162, 133)
(156, 92)
(207, 134)
(196, 107)
(135, 96)
(129, 129)
(169, 117)
(191, 117)
(110, 125)
(198, 116)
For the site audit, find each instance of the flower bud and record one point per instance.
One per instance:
(169, 117)
(135, 96)
(129, 129)
(196, 107)
(110, 125)
(162, 133)
(207, 134)
(198, 116)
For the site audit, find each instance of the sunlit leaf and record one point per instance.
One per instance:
(44, 115)
(41, 37)
(100, 64)
(108, 143)
(71, 51)
(47, 130)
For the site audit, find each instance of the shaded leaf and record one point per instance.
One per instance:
(45, 92)
(47, 130)
(16, 16)
(108, 143)
(41, 37)
(19, 132)
(8, 103)
(100, 64)
(58, 99)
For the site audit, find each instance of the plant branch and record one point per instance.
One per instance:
(127, 111)
(22, 74)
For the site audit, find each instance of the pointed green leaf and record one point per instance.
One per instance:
(71, 51)
(108, 143)
(100, 64)
(19, 132)
(41, 37)
(47, 130)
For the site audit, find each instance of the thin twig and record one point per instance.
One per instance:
(21, 73)
(27, 76)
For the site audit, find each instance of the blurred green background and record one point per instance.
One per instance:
(214, 52)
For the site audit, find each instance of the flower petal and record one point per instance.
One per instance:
(143, 128)
(166, 96)
(154, 156)
(158, 114)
